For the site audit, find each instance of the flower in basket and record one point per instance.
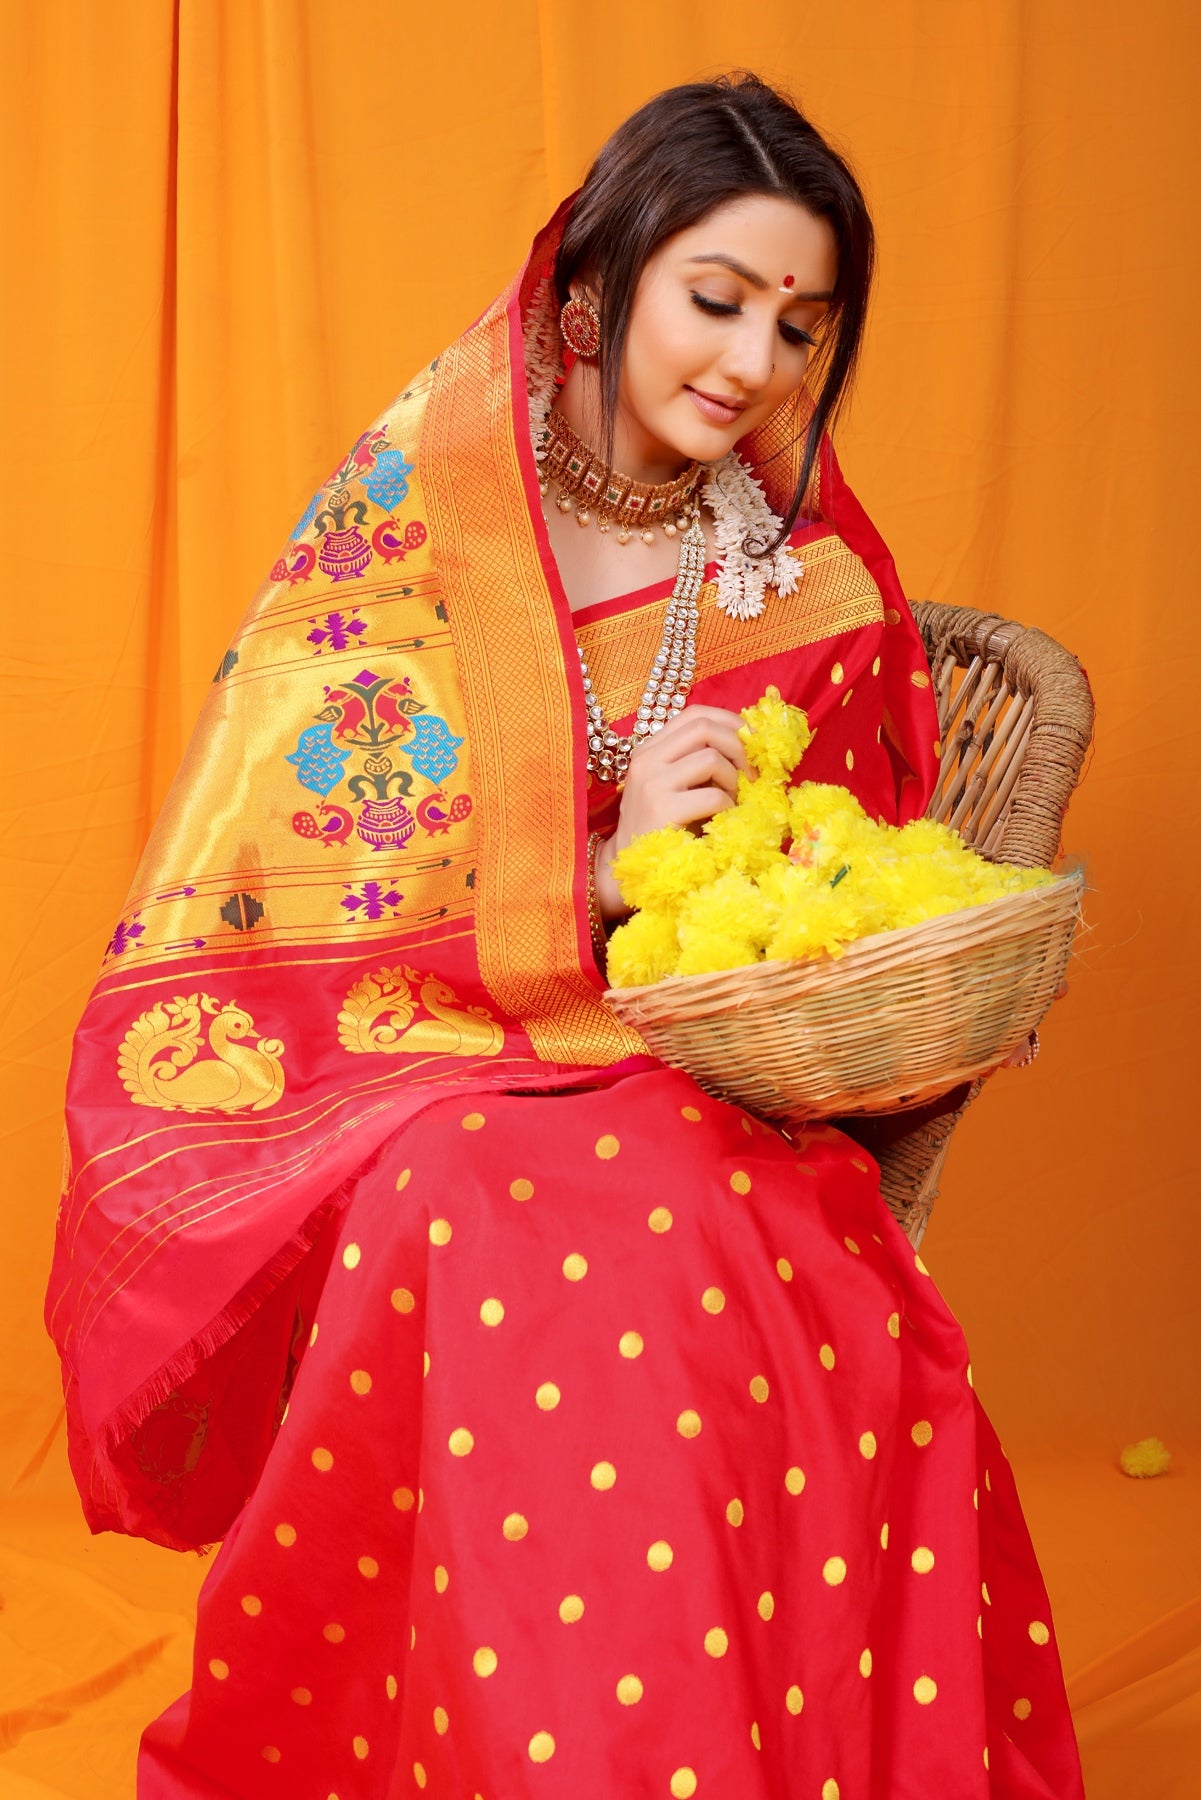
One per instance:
(787, 872)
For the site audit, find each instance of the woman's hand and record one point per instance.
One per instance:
(679, 776)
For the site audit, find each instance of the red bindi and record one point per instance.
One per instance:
(789, 281)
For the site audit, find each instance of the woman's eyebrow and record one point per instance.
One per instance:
(756, 280)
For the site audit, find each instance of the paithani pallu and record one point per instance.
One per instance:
(570, 1432)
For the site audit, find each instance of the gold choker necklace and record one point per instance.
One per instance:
(587, 484)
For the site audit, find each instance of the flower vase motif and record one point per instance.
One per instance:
(386, 824)
(344, 552)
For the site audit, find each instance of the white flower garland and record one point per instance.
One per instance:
(730, 491)
(739, 510)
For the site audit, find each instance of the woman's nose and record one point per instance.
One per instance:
(750, 356)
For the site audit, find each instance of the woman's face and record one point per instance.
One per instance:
(720, 330)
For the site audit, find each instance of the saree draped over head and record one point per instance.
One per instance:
(569, 1430)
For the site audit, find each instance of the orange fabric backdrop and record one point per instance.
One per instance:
(233, 228)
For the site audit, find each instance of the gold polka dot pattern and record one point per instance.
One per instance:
(607, 1147)
(538, 1371)
(441, 1232)
(682, 1785)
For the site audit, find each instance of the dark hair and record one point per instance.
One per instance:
(687, 151)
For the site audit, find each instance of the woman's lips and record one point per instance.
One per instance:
(714, 410)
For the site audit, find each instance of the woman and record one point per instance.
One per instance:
(570, 1432)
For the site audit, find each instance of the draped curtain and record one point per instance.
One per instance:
(232, 229)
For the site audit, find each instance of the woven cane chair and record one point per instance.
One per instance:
(1015, 718)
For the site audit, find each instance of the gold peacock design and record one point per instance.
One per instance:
(161, 1060)
(378, 1011)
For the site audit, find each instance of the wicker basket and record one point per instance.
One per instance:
(898, 1018)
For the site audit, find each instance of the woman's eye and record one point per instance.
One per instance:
(792, 334)
(715, 306)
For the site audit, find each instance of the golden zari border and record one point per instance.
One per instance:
(518, 706)
(836, 594)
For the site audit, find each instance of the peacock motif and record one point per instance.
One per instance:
(379, 1010)
(162, 1063)
(434, 814)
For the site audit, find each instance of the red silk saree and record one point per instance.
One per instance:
(570, 1432)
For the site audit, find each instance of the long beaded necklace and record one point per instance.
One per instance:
(670, 680)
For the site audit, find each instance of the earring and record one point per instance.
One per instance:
(579, 323)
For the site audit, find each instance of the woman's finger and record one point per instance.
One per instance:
(683, 735)
(691, 805)
(706, 767)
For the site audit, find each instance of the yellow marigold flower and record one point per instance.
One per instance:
(733, 907)
(1148, 1457)
(659, 869)
(643, 949)
(775, 734)
(748, 835)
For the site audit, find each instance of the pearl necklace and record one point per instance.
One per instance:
(670, 680)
